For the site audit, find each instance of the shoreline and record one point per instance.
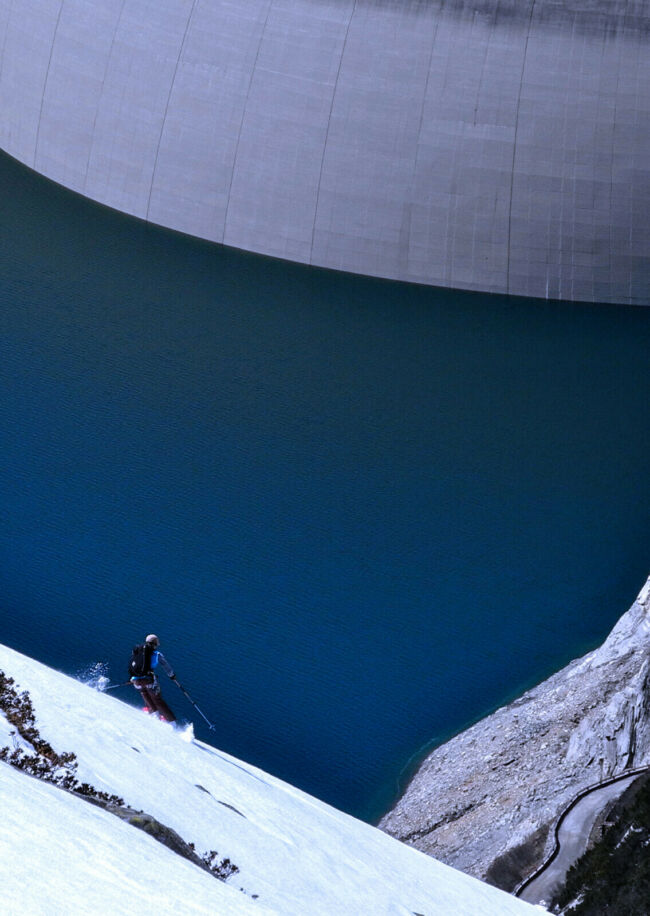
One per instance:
(410, 770)
(485, 801)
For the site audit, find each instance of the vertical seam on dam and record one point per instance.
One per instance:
(612, 149)
(109, 57)
(4, 41)
(514, 142)
(169, 96)
(406, 248)
(243, 118)
(47, 76)
(327, 131)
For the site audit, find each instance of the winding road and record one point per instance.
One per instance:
(572, 835)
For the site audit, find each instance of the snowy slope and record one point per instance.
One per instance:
(61, 855)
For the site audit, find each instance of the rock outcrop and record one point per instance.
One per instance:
(486, 801)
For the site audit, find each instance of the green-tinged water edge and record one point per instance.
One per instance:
(360, 514)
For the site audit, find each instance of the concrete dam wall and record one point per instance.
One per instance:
(496, 145)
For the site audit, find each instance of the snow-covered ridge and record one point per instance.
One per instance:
(296, 855)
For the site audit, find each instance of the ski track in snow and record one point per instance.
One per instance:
(60, 856)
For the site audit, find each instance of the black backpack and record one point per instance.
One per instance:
(140, 664)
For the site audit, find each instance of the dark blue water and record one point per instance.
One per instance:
(358, 513)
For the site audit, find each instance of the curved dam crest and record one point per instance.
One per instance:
(500, 147)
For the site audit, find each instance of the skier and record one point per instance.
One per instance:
(144, 661)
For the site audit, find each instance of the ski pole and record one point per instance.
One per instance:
(183, 690)
(114, 686)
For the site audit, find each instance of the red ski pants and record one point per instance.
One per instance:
(152, 698)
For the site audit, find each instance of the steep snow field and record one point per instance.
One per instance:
(61, 855)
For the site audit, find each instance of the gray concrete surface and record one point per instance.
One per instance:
(499, 145)
(573, 837)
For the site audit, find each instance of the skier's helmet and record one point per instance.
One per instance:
(153, 640)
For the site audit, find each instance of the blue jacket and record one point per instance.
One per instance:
(157, 658)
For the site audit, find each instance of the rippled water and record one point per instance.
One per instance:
(358, 513)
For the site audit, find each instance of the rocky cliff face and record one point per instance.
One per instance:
(486, 801)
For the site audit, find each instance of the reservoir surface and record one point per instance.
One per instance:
(359, 514)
